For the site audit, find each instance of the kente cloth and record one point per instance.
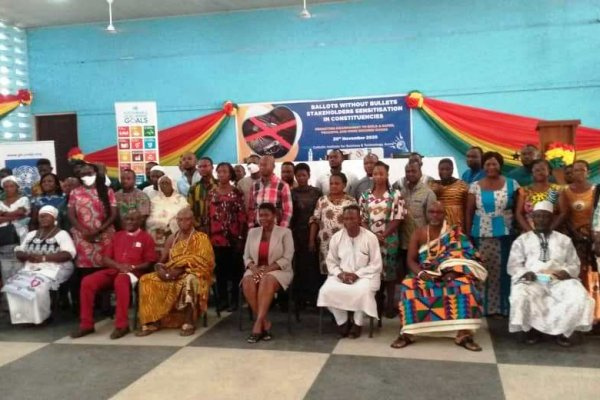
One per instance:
(165, 301)
(434, 306)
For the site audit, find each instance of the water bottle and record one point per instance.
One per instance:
(310, 155)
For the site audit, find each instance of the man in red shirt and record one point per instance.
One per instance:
(128, 256)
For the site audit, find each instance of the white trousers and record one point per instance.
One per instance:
(341, 316)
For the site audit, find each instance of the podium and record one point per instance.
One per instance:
(562, 131)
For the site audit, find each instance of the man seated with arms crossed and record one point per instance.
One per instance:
(130, 253)
(354, 265)
(440, 295)
(546, 296)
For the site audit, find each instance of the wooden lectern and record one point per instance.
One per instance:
(562, 131)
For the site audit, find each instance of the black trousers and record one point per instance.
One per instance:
(229, 268)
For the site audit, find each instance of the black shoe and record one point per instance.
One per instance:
(344, 329)
(118, 333)
(532, 337)
(81, 333)
(563, 341)
(254, 338)
(266, 336)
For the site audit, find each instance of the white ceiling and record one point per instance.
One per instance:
(36, 13)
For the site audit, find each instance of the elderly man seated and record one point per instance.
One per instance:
(177, 292)
(440, 294)
(354, 266)
(130, 253)
(546, 296)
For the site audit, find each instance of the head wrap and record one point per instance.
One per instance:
(10, 178)
(49, 210)
(158, 168)
(544, 206)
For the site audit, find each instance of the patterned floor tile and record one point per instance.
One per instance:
(217, 373)
(528, 382)
(11, 351)
(65, 372)
(165, 337)
(510, 349)
(303, 337)
(355, 377)
(425, 348)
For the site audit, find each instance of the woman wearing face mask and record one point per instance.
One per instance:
(489, 220)
(92, 211)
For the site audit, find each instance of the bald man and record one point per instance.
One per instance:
(189, 173)
(270, 189)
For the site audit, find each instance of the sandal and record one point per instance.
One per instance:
(187, 330)
(401, 342)
(147, 330)
(254, 338)
(468, 343)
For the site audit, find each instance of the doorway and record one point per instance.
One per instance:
(61, 128)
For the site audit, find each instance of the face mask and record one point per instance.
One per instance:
(88, 180)
(253, 168)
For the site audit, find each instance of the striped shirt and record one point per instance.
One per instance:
(276, 192)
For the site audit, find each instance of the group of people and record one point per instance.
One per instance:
(459, 249)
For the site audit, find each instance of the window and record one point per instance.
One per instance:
(13, 77)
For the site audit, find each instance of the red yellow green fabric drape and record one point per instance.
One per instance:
(10, 102)
(194, 136)
(464, 126)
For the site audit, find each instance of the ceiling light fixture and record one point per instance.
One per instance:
(110, 28)
(305, 13)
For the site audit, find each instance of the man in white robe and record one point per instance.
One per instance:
(546, 296)
(354, 265)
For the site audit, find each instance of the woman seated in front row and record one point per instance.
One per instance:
(268, 259)
(177, 292)
(47, 253)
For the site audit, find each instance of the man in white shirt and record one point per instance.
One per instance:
(246, 183)
(354, 266)
(335, 158)
(546, 296)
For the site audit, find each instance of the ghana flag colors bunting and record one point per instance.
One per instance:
(194, 135)
(465, 126)
(11, 101)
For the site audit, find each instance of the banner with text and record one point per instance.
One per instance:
(308, 130)
(137, 136)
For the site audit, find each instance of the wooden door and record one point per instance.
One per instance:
(62, 129)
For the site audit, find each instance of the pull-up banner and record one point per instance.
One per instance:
(308, 130)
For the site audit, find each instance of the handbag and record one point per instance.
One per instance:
(8, 235)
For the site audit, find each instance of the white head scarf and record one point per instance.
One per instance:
(544, 206)
(10, 178)
(158, 168)
(49, 210)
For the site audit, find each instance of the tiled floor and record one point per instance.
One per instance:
(217, 363)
